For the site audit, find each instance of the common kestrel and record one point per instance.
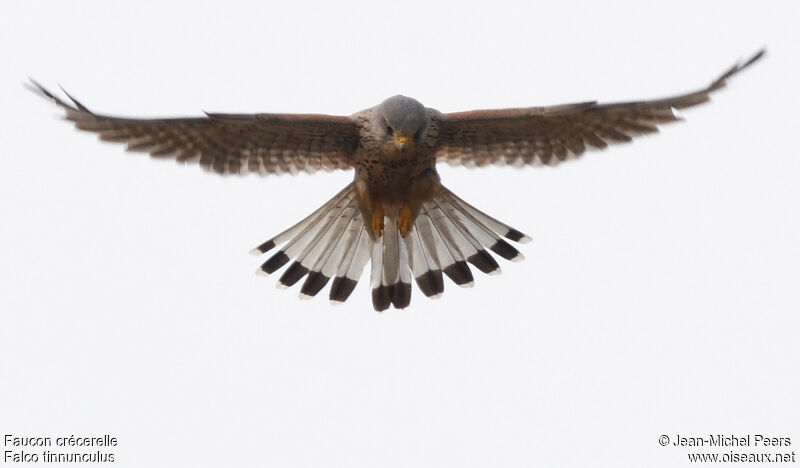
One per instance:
(396, 212)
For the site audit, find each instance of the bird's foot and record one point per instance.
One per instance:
(377, 219)
(404, 221)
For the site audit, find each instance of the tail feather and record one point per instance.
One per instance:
(448, 235)
(498, 227)
(453, 262)
(484, 234)
(402, 289)
(290, 233)
(326, 246)
(343, 249)
(395, 279)
(302, 235)
(424, 267)
(350, 268)
(315, 240)
(324, 259)
(380, 295)
(391, 257)
(476, 254)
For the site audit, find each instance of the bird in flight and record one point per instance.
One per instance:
(396, 213)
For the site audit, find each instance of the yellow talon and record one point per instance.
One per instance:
(377, 219)
(404, 219)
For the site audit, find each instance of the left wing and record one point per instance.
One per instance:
(549, 135)
(228, 143)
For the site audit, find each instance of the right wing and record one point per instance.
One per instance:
(228, 143)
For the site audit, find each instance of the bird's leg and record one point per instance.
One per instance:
(377, 218)
(421, 189)
(404, 219)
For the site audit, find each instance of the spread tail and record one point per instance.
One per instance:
(332, 242)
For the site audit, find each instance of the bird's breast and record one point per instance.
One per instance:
(386, 171)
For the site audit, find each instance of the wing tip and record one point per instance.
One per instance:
(761, 53)
(737, 67)
(77, 103)
(37, 88)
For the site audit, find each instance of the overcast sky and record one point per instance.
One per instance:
(659, 296)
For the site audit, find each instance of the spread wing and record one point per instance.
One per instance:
(549, 135)
(228, 143)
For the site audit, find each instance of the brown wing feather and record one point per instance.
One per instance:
(549, 135)
(228, 143)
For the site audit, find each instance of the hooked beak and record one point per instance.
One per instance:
(401, 141)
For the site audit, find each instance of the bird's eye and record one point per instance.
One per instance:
(389, 129)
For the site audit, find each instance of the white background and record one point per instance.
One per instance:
(660, 294)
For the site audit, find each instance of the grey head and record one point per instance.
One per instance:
(401, 120)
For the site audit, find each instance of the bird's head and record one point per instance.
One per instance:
(401, 121)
